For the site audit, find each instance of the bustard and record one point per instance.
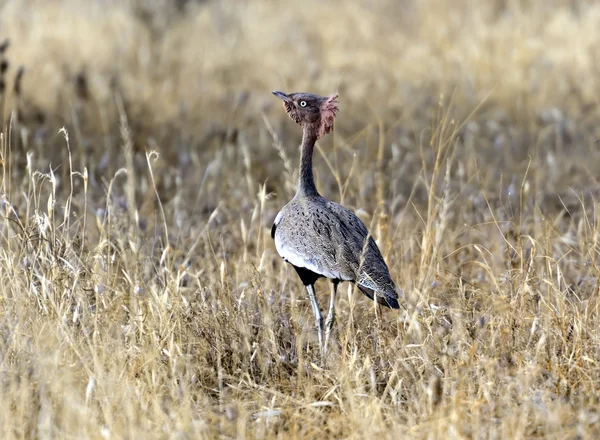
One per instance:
(321, 238)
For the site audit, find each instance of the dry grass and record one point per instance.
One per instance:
(141, 294)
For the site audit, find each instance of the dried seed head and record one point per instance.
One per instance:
(18, 81)
(4, 45)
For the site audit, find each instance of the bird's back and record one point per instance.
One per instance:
(331, 241)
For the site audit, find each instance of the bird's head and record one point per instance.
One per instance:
(312, 112)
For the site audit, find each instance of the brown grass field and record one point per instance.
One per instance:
(141, 295)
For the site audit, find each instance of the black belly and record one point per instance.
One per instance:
(308, 277)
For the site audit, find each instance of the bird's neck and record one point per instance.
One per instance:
(306, 183)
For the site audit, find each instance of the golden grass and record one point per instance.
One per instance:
(142, 296)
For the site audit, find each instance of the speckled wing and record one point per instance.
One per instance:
(330, 240)
(373, 277)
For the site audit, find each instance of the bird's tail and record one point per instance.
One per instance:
(388, 298)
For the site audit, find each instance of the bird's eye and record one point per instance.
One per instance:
(302, 103)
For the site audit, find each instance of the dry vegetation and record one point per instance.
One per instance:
(142, 297)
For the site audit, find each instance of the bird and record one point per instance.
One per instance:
(321, 238)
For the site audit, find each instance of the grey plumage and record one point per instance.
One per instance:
(331, 241)
(321, 238)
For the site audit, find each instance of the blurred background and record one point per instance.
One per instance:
(191, 74)
(188, 72)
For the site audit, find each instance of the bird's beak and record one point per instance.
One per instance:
(282, 96)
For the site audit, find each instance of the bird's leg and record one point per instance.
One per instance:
(331, 314)
(315, 306)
